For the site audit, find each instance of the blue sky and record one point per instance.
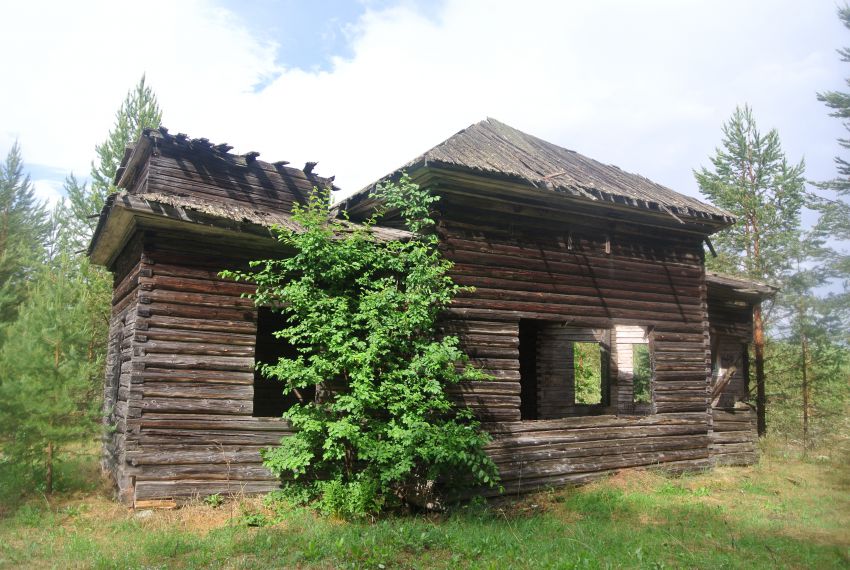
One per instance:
(363, 86)
(308, 34)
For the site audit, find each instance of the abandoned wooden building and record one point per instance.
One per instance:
(610, 345)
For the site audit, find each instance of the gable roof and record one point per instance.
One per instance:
(495, 149)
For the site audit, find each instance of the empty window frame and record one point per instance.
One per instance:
(270, 398)
(563, 370)
(634, 368)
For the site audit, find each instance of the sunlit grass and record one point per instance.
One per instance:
(784, 512)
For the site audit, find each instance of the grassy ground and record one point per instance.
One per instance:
(784, 513)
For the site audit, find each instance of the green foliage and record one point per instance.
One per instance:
(215, 500)
(51, 366)
(50, 391)
(140, 110)
(642, 366)
(24, 233)
(751, 178)
(587, 368)
(829, 378)
(363, 320)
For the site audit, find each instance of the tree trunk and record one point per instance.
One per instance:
(806, 394)
(761, 394)
(49, 477)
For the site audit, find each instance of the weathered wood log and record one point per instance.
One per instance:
(199, 336)
(208, 349)
(197, 362)
(192, 376)
(239, 326)
(183, 390)
(195, 285)
(211, 471)
(227, 407)
(187, 489)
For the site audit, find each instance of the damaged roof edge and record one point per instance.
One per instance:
(741, 285)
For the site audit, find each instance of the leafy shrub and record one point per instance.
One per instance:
(362, 316)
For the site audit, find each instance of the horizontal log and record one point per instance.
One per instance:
(505, 341)
(566, 452)
(212, 423)
(187, 457)
(200, 336)
(209, 349)
(584, 320)
(183, 390)
(743, 415)
(160, 309)
(677, 407)
(202, 323)
(590, 288)
(542, 250)
(163, 266)
(486, 401)
(724, 437)
(213, 471)
(155, 436)
(198, 362)
(485, 387)
(555, 311)
(601, 436)
(195, 299)
(602, 463)
(482, 328)
(187, 489)
(747, 427)
(216, 286)
(193, 376)
(226, 407)
(597, 421)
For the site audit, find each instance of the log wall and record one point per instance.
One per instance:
(733, 436)
(118, 393)
(185, 425)
(564, 270)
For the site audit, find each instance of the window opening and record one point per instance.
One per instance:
(564, 370)
(528, 370)
(269, 397)
(634, 369)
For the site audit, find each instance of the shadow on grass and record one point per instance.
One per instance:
(777, 515)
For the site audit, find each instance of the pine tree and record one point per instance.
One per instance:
(752, 179)
(24, 232)
(834, 208)
(47, 397)
(139, 111)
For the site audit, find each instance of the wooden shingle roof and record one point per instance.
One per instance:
(492, 148)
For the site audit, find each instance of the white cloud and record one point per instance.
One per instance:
(642, 85)
(48, 192)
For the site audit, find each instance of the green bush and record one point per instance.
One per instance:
(362, 316)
